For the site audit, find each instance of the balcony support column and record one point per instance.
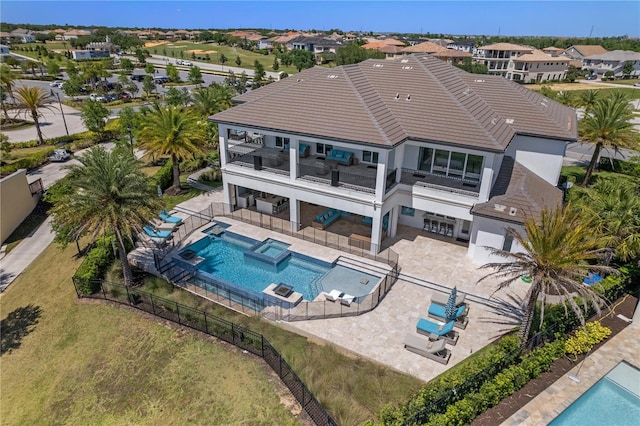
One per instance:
(393, 222)
(294, 214)
(376, 228)
(485, 184)
(229, 197)
(293, 159)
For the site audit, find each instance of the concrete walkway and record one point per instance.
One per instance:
(51, 124)
(13, 264)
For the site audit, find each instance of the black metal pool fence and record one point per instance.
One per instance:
(218, 327)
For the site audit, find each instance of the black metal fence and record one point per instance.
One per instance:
(239, 336)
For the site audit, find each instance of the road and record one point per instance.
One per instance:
(205, 66)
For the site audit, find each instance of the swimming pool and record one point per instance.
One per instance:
(614, 400)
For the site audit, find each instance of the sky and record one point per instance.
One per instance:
(509, 17)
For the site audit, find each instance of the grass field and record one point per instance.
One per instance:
(65, 362)
(247, 58)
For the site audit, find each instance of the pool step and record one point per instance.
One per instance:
(359, 266)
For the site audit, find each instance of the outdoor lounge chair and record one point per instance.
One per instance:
(435, 330)
(156, 233)
(333, 295)
(163, 226)
(442, 299)
(438, 312)
(347, 299)
(435, 350)
(165, 216)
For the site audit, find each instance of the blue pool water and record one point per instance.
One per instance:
(225, 258)
(608, 402)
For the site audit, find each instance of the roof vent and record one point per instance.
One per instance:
(378, 65)
(408, 97)
(544, 102)
(478, 81)
(332, 76)
(299, 80)
(466, 91)
(509, 121)
(513, 211)
(494, 120)
(404, 61)
(397, 96)
(407, 67)
(499, 207)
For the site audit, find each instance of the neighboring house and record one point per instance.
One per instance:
(582, 51)
(392, 48)
(413, 142)
(553, 51)
(5, 37)
(521, 63)
(452, 56)
(23, 36)
(317, 45)
(390, 51)
(463, 46)
(424, 47)
(18, 198)
(612, 61)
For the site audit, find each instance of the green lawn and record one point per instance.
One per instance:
(214, 50)
(93, 363)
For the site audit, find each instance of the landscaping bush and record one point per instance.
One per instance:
(501, 386)
(29, 163)
(163, 177)
(454, 384)
(93, 268)
(192, 165)
(586, 338)
(629, 167)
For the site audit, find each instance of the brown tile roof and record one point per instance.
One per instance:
(367, 103)
(451, 53)
(390, 48)
(539, 56)
(590, 49)
(518, 194)
(425, 47)
(553, 49)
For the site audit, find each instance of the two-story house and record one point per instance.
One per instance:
(522, 63)
(613, 61)
(413, 142)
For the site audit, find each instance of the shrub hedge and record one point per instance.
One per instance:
(94, 267)
(454, 384)
(164, 177)
(629, 167)
(501, 386)
(586, 338)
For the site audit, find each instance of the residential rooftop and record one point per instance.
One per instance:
(418, 97)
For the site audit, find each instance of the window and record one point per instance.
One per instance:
(441, 162)
(323, 149)
(473, 168)
(456, 164)
(281, 142)
(426, 158)
(369, 157)
(465, 227)
(407, 211)
(508, 242)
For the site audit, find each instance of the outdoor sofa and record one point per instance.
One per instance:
(340, 157)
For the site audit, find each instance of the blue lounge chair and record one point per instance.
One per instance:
(435, 330)
(164, 215)
(439, 312)
(156, 233)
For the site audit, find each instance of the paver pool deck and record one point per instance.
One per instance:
(427, 265)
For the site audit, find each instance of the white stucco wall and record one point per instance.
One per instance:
(486, 232)
(541, 156)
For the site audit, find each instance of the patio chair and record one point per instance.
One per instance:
(438, 312)
(347, 299)
(333, 295)
(442, 298)
(156, 233)
(435, 330)
(164, 226)
(435, 350)
(165, 216)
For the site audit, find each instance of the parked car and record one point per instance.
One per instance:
(98, 98)
(591, 77)
(636, 84)
(110, 97)
(59, 155)
(137, 77)
(125, 95)
(106, 85)
(57, 83)
(162, 79)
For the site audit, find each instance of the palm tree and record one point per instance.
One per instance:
(172, 131)
(588, 99)
(606, 125)
(32, 100)
(558, 252)
(614, 208)
(213, 99)
(111, 196)
(7, 79)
